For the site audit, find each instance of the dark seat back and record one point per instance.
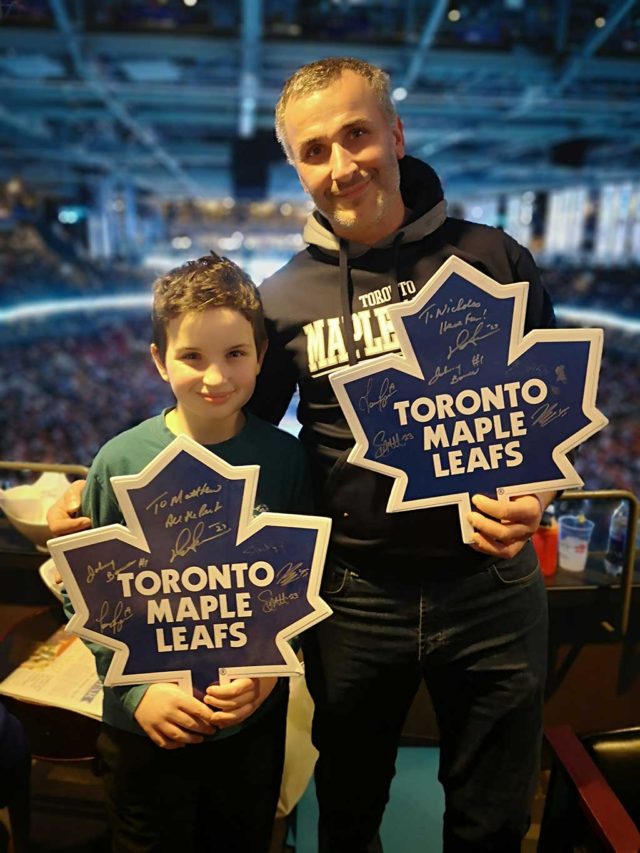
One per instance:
(617, 755)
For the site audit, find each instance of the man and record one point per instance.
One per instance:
(410, 600)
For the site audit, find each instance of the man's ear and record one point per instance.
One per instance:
(261, 355)
(159, 363)
(398, 137)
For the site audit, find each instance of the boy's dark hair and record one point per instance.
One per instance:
(207, 282)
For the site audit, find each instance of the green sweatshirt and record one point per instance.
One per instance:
(283, 486)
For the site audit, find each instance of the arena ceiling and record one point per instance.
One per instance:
(176, 97)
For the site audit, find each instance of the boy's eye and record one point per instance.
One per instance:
(237, 353)
(190, 356)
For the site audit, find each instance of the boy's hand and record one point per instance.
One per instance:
(172, 718)
(238, 700)
(61, 516)
(509, 523)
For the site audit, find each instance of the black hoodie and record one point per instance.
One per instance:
(305, 303)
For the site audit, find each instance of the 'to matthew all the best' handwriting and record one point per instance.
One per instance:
(200, 600)
(502, 419)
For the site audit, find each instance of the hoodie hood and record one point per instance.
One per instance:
(423, 197)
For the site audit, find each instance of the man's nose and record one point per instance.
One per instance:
(342, 163)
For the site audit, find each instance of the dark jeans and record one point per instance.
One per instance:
(220, 795)
(479, 641)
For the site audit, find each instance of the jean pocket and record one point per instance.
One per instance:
(335, 581)
(519, 571)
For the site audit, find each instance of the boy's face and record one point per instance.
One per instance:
(346, 155)
(211, 364)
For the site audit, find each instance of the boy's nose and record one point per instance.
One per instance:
(213, 375)
(342, 163)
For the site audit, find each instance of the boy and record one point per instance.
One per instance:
(219, 794)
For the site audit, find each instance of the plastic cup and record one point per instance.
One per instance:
(574, 534)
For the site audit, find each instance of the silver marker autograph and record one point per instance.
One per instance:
(385, 444)
(191, 540)
(272, 602)
(290, 573)
(387, 390)
(109, 568)
(548, 412)
(466, 338)
(115, 623)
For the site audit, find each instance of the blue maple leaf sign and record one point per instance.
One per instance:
(194, 589)
(471, 405)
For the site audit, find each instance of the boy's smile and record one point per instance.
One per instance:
(211, 364)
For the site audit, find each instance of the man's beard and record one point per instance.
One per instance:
(349, 218)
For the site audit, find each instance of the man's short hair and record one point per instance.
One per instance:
(207, 282)
(322, 73)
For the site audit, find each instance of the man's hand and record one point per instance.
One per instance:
(61, 515)
(172, 718)
(509, 525)
(238, 700)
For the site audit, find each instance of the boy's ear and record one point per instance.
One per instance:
(159, 363)
(261, 355)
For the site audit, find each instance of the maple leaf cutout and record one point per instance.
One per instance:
(471, 405)
(194, 589)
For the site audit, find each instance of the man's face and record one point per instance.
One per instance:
(346, 155)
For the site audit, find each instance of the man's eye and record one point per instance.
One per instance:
(314, 151)
(357, 132)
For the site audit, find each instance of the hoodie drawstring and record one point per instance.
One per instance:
(395, 275)
(346, 296)
(346, 291)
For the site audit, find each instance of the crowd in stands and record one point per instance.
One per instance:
(31, 269)
(69, 382)
(611, 289)
(64, 395)
(611, 458)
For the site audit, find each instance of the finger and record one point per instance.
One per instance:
(230, 704)
(489, 506)
(192, 723)
(225, 719)
(193, 707)
(232, 690)
(62, 525)
(73, 496)
(496, 530)
(486, 545)
(524, 509)
(163, 741)
(176, 734)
